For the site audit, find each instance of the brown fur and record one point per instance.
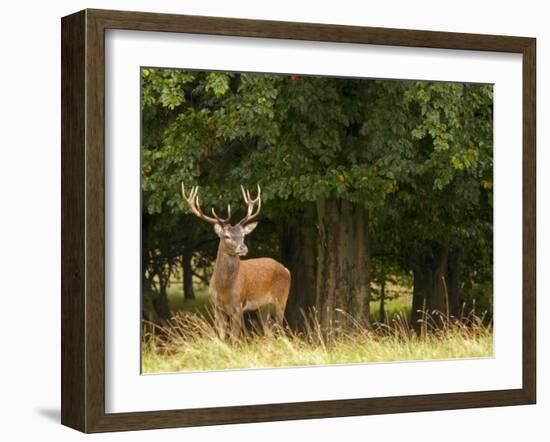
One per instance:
(237, 286)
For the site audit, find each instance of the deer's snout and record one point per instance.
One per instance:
(242, 250)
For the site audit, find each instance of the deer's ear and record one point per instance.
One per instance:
(249, 228)
(218, 229)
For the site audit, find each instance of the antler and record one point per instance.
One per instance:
(250, 203)
(194, 205)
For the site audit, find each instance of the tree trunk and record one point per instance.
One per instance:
(343, 264)
(298, 244)
(145, 283)
(187, 277)
(436, 283)
(453, 281)
(160, 303)
(382, 299)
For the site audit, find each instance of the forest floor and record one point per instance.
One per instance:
(190, 342)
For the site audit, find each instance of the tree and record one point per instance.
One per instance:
(340, 161)
(187, 275)
(452, 212)
(234, 132)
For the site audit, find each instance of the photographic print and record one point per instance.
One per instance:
(295, 220)
(249, 204)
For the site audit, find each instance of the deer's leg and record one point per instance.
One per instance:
(280, 302)
(236, 323)
(263, 317)
(220, 322)
(280, 312)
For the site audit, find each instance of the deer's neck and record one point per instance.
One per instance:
(226, 268)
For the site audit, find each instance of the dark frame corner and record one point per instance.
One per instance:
(83, 214)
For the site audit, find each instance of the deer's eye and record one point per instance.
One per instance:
(227, 236)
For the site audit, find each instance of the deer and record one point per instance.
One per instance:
(238, 285)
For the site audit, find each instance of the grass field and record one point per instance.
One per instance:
(190, 343)
(207, 353)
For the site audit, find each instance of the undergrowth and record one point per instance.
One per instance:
(190, 342)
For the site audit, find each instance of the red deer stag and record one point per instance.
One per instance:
(239, 285)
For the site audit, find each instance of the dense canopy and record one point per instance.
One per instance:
(360, 179)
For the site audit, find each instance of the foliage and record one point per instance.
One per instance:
(416, 154)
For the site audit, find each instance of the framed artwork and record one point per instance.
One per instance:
(269, 220)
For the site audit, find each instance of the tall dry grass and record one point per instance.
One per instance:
(189, 342)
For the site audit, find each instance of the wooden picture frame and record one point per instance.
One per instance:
(83, 220)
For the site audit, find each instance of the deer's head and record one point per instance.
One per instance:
(231, 236)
